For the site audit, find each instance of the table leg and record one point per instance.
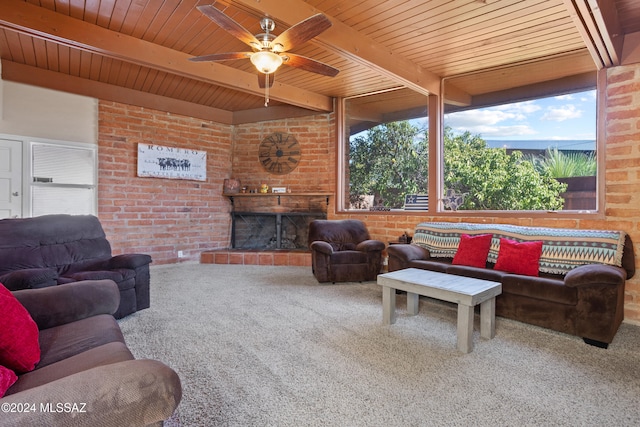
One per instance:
(413, 303)
(465, 328)
(488, 318)
(388, 305)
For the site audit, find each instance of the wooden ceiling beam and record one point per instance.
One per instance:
(61, 29)
(20, 73)
(277, 112)
(600, 28)
(577, 83)
(348, 43)
(605, 15)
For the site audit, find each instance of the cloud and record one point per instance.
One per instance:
(486, 131)
(561, 113)
(472, 118)
(498, 131)
(520, 108)
(486, 121)
(517, 111)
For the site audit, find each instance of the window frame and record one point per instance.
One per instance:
(436, 166)
(28, 175)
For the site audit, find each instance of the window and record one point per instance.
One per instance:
(533, 155)
(63, 179)
(387, 157)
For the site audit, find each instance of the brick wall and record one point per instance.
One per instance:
(161, 216)
(314, 173)
(623, 166)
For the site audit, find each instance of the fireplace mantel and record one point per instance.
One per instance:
(231, 196)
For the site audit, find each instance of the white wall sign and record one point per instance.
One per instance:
(171, 162)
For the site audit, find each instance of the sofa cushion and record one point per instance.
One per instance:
(7, 378)
(439, 266)
(539, 288)
(61, 342)
(19, 349)
(338, 246)
(125, 278)
(519, 258)
(476, 272)
(29, 278)
(473, 250)
(349, 257)
(102, 355)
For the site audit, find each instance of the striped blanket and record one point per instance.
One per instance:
(563, 249)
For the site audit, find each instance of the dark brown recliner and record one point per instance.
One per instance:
(342, 251)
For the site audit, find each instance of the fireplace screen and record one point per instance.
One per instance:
(270, 231)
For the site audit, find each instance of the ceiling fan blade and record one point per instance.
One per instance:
(221, 56)
(262, 80)
(302, 32)
(228, 24)
(308, 64)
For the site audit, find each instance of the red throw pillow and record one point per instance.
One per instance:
(19, 346)
(7, 378)
(519, 258)
(473, 250)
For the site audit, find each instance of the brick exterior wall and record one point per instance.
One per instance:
(160, 216)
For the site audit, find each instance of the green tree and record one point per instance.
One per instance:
(391, 160)
(491, 179)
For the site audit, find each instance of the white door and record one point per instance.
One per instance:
(10, 178)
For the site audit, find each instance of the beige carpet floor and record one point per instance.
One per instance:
(270, 346)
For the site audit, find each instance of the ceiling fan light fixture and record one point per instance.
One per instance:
(265, 61)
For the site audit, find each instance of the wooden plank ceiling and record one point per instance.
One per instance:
(137, 51)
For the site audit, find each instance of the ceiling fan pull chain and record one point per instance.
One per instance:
(266, 90)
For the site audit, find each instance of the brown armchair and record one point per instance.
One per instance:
(342, 251)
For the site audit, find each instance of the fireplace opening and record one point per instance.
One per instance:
(272, 230)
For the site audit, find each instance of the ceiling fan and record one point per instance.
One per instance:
(271, 51)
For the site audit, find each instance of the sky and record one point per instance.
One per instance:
(566, 117)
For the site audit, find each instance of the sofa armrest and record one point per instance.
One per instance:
(370, 246)
(408, 252)
(402, 254)
(29, 278)
(131, 261)
(62, 304)
(129, 393)
(322, 247)
(595, 274)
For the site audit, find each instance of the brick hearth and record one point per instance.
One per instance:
(256, 257)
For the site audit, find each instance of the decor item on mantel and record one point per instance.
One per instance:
(264, 188)
(231, 186)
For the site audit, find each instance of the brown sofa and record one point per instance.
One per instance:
(580, 287)
(342, 251)
(86, 375)
(54, 249)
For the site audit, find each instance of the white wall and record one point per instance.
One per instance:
(44, 113)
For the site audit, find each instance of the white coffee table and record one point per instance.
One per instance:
(467, 292)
